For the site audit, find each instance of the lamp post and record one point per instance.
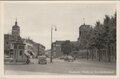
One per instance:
(53, 27)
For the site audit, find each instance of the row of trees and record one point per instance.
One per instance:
(101, 37)
(66, 47)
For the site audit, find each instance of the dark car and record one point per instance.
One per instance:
(42, 59)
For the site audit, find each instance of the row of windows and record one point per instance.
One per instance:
(20, 47)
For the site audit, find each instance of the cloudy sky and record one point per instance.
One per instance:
(36, 18)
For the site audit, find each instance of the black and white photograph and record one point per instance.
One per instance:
(60, 38)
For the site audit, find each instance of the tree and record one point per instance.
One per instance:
(66, 47)
(99, 40)
(105, 35)
(110, 34)
(86, 32)
(101, 37)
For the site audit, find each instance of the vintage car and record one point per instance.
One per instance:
(69, 58)
(42, 59)
(62, 57)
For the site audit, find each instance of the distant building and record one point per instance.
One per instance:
(48, 53)
(41, 50)
(57, 49)
(34, 48)
(29, 48)
(57, 52)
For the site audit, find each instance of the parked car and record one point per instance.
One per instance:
(42, 59)
(62, 57)
(69, 59)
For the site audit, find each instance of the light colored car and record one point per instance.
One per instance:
(42, 59)
(69, 59)
(62, 57)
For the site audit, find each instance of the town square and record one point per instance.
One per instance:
(60, 38)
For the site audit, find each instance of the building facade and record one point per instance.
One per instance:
(7, 44)
(56, 49)
(33, 48)
(41, 50)
(29, 48)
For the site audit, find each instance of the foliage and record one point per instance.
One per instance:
(66, 47)
(102, 36)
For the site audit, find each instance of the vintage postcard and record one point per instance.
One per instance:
(59, 39)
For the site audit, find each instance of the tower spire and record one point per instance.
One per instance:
(83, 21)
(16, 22)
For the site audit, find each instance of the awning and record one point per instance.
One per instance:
(26, 53)
(32, 53)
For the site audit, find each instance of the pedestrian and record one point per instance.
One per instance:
(28, 60)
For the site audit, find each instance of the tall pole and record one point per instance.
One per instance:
(51, 45)
(51, 42)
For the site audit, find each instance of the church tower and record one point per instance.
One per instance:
(16, 30)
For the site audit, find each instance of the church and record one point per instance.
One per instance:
(14, 45)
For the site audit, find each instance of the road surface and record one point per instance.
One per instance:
(81, 67)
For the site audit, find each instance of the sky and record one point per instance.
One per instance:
(36, 18)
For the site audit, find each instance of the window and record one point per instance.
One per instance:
(21, 47)
(15, 46)
(20, 53)
(54, 48)
(7, 43)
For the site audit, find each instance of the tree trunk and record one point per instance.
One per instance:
(92, 54)
(115, 53)
(109, 55)
(99, 55)
(87, 54)
(82, 55)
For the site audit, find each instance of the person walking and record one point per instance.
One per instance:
(28, 60)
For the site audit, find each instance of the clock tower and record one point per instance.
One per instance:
(16, 30)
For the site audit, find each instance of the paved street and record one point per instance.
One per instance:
(81, 67)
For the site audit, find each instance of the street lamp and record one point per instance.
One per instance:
(53, 27)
